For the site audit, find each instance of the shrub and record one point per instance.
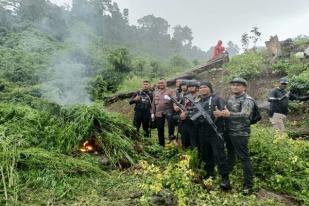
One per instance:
(280, 163)
(120, 60)
(246, 65)
(290, 67)
(300, 84)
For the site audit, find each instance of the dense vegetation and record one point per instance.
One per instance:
(56, 62)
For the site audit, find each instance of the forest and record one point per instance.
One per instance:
(58, 66)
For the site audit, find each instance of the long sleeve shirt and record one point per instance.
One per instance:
(240, 108)
(161, 105)
(279, 99)
(145, 101)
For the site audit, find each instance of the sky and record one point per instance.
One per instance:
(224, 19)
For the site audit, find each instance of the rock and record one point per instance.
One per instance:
(138, 147)
(264, 106)
(280, 48)
(164, 197)
(263, 194)
(273, 46)
(306, 52)
(104, 161)
(300, 55)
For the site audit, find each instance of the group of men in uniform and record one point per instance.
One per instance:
(231, 120)
(218, 129)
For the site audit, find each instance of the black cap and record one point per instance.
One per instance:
(208, 84)
(239, 80)
(183, 82)
(193, 83)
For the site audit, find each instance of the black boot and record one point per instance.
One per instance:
(225, 184)
(247, 190)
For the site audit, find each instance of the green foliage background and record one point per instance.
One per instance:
(40, 162)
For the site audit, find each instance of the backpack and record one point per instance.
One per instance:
(256, 115)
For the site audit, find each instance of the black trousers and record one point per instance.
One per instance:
(238, 146)
(211, 151)
(189, 134)
(142, 118)
(160, 122)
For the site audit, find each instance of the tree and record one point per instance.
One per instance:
(183, 35)
(179, 61)
(256, 35)
(33, 11)
(156, 70)
(153, 24)
(120, 60)
(232, 48)
(126, 15)
(245, 41)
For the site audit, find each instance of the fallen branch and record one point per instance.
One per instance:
(187, 75)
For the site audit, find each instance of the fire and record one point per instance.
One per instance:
(88, 146)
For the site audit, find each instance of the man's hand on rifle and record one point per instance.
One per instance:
(176, 108)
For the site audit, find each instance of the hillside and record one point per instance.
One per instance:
(61, 145)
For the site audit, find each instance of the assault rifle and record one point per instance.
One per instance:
(174, 100)
(204, 114)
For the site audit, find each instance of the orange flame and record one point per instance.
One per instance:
(87, 147)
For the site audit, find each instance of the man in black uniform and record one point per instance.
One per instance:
(142, 100)
(278, 99)
(210, 145)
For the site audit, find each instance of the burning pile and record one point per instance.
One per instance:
(89, 146)
(108, 134)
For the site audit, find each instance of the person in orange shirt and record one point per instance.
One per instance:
(218, 50)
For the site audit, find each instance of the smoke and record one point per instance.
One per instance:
(67, 79)
(69, 74)
(68, 83)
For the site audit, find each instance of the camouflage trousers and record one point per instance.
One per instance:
(277, 121)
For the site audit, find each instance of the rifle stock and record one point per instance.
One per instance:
(180, 106)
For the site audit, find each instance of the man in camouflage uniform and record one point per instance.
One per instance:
(238, 111)
(181, 91)
(178, 90)
(188, 129)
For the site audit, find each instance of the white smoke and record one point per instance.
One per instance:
(67, 79)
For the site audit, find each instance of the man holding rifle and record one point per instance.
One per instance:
(188, 129)
(210, 129)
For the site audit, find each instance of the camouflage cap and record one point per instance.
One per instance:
(284, 80)
(239, 80)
